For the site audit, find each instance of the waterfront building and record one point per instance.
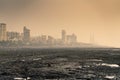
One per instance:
(63, 35)
(26, 34)
(13, 36)
(3, 36)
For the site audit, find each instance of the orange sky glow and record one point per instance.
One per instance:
(82, 17)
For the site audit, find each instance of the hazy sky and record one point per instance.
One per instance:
(83, 17)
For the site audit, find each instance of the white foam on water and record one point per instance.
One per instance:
(110, 65)
(18, 78)
(110, 77)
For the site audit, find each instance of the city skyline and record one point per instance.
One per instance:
(24, 38)
(83, 17)
(26, 30)
(59, 40)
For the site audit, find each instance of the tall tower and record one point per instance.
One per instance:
(26, 34)
(63, 36)
(3, 32)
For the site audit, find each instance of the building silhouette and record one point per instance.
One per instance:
(44, 39)
(26, 34)
(63, 34)
(3, 35)
(71, 39)
(13, 36)
(26, 39)
(50, 40)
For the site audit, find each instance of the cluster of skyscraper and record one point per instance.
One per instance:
(13, 36)
(41, 40)
(49, 40)
(66, 39)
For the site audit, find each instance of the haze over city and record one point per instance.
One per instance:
(59, 40)
(83, 17)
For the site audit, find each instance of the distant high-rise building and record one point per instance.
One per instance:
(74, 38)
(3, 36)
(44, 39)
(63, 36)
(50, 40)
(26, 34)
(58, 42)
(71, 38)
(13, 36)
(36, 40)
